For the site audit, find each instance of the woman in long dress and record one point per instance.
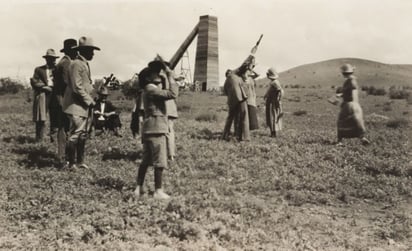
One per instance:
(273, 98)
(350, 119)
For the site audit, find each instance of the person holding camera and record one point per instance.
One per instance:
(78, 102)
(155, 126)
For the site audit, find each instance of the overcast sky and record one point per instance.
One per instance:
(131, 33)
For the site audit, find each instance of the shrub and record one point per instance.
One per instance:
(183, 107)
(397, 123)
(8, 85)
(300, 113)
(399, 94)
(130, 88)
(209, 117)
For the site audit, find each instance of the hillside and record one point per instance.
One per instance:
(327, 73)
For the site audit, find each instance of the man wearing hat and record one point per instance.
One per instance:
(77, 101)
(105, 113)
(61, 80)
(42, 83)
(273, 103)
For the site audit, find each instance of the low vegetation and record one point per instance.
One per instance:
(298, 191)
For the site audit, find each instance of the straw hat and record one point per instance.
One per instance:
(50, 53)
(69, 44)
(347, 68)
(86, 42)
(272, 74)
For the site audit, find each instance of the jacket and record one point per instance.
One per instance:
(156, 121)
(233, 88)
(61, 78)
(77, 96)
(41, 96)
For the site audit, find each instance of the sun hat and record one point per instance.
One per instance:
(69, 44)
(86, 42)
(347, 68)
(272, 74)
(50, 53)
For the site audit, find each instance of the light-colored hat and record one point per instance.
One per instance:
(69, 44)
(50, 53)
(86, 42)
(347, 68)
(272, 74)
(103, 91)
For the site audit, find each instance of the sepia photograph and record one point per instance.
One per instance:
(212, 125)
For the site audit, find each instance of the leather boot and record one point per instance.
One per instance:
(71, 153)
(80, 153)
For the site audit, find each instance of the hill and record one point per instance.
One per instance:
(327, 73)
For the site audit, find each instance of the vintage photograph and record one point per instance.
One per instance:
(206, 125)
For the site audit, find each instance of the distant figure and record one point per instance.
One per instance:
(234, 88)
(42, 83)
(106, 116)
(273, 102)
(78, 102)
(61, 81)
(350, 120)
(250, 87)
(155, 128)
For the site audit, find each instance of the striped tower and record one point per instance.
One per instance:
(207, 54)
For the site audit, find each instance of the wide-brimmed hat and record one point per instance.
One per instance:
(347, 68)
(50, 53)
(69, 44)
(272, 74)
(86, 42)
(103, 91)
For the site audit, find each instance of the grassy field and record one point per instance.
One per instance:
(295, 192)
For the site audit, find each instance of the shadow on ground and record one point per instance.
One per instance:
(38, 156)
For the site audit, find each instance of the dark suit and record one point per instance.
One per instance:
(111, 122)
(60, 119)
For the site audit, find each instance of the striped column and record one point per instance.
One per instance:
(207, 54)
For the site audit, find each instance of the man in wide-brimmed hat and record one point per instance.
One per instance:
(58, 118)
(77, 101)
(42, 83)
(106, 114)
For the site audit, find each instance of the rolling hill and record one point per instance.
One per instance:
(327, 73)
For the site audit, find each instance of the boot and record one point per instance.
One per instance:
(71, 153)
(80, 153)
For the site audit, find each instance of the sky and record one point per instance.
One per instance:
(131, 33)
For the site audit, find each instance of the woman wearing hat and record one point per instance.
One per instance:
(273, 98)
(350, 119)
(42, 83)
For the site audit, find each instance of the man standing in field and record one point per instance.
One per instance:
(155, 127)
(78, 101)
(42, 84)
(61, 77)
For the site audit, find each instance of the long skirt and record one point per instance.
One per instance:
(253, 119)
(350, 121)
(273, 121)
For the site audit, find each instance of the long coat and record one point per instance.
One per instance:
(61, 78)
(77, 96)
(41, 96)
(234, 89)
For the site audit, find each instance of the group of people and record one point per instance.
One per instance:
(240, 89)
(63, 91)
